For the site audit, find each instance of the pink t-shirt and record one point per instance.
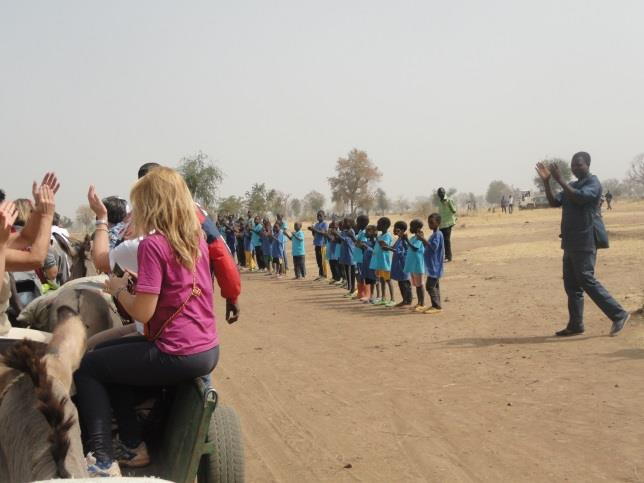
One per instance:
(194, 329)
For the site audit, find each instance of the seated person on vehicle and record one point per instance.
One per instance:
(174, 300)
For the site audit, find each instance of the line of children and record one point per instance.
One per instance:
(366, 263)
(364, 259)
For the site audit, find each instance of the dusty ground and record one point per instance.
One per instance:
(481, 392)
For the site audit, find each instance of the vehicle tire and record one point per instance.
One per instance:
(226, 463)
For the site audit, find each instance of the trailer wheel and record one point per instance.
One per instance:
(226, 463)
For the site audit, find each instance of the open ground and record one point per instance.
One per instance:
(331, 390)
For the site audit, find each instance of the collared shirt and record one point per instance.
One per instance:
(577, 226)
(398, 256)
(319, 240)
(447, 210)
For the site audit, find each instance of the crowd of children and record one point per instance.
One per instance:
(364, 259)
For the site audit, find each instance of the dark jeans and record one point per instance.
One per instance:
(259, 257)
(319, 260)
(579, 277)
(405, 291)
(112, 375)
(447, 236)
(434, 290)
(299, 266)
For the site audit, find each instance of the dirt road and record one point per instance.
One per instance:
(332, 390)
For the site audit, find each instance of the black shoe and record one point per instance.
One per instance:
(618, 325)
(569, 332)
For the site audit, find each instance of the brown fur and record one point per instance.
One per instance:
(27, 357)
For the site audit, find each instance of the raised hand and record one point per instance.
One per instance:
(556, 172)
(8, 214)
(543, 171)
(45, 201)
(96, 204)
(50, 180)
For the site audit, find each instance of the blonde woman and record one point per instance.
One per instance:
(173, 299)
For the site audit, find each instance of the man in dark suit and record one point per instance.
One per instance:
(582, 232)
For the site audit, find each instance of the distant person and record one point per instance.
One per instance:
(510, 203)
(582, 233)
(319, 231)
(504, 204)
(609, 200)
(278, 249)
(358, 255)
(434, 256)
(347, 238)
(398, 258)
(381, 260)
(415, 262)
(298, 250)
(469, 206)
(447, 212)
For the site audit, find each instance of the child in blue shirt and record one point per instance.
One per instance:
(398, 272)
(257, 228)
(297, 240)
(347, 239)
(381, 260)
(333, 254)
(277, 249)
(415, 262)
(361, 225)
(434, 259)
(319, 242)
(266, 236)
(367, 246)
(248, 248)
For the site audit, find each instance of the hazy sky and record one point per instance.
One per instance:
(438, 93)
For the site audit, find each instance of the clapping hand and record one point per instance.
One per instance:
(556, 173)
(96, 204)
(8, 214)
(543, 171)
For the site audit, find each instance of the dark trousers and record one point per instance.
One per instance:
(579, 277)
(405, 291)
(350, 277)
(241, 255)
(335, 270)
(259, 257)
(299, 266)
(122, 367)
(447, 237)
(319, 260)
(434, 290)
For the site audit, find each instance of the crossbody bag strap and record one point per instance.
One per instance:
(195, 292)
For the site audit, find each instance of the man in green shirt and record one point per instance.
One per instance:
(447, 210)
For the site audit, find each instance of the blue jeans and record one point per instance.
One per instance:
(579, 277)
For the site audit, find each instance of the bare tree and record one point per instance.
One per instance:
(636, 173)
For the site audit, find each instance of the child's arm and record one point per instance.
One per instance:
(298, 236)
(421, 236)
(287, 235)
(384, 246)
(411, 245)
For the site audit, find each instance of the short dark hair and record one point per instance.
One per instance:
(116, 209)
(415, 225)
(383, 223)
(584, 156)
(145, 168)
(56, 220)
(2, 196)
(362, 221)
(436, 217)
(400, 225)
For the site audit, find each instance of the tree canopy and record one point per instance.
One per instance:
(496, 190)
(314, 201)
(202, 177)
(231, 205)
(355, 176)
(564, 167)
